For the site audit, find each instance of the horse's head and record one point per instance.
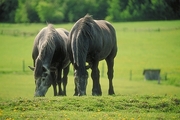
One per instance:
(42, 77)
(80, 80)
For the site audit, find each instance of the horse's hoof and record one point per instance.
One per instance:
(62, 93)
(96, 94)
(75, 94)
(111, 93)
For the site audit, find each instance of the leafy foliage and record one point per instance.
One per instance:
(21, 13)
(132, 10)
(7, 10)
(57, 11)
(49, 12)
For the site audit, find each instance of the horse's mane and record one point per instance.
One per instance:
(86, 25)
(48, 44)
(84, 32)
(86, 20)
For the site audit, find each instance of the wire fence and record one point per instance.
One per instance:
(18, 32)
(131, 75)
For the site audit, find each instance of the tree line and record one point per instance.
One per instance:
(58, 11)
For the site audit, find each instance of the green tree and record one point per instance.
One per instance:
(100, 9)
(175, 7)
(147, 11)
(7, 10)
(21, 12)
(56, 11)
(113, 10)
(26, 11)
(49, 12)
(75, 9)
(161, 10)
(31, 10)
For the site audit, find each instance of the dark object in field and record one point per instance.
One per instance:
(50, 57)
(152, 74)
(92, 41)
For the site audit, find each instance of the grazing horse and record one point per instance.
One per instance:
(50, 58)
(92, 41)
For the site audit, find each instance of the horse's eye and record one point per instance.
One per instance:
(43, 79)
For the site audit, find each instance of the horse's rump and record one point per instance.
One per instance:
(91, 41)
(89, 37)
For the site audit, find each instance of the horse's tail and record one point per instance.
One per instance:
(79, 49)
(80, 36)
(74, 53)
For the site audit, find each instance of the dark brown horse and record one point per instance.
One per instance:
(50, 57)
(92, 41)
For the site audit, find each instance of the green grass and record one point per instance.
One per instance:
(22, 85)
(106, 108)
(133, 100)
(140, 45)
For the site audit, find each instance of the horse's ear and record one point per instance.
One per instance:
(32, 68)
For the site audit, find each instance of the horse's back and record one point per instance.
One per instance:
(58, 36)
(107, 29)
(99, 35)
(62, 31)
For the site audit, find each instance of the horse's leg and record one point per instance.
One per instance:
(59, 81)
(75, 91)
(65, 78)
(96, 90)
(110, 64)
(54, 83)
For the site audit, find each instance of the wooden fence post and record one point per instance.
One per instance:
(23, 65)
(165, 78)
(130, 75)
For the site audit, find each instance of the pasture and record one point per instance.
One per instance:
(140, 45)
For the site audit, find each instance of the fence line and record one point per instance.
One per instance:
(17, 33)
(148, 29)
(24, 33)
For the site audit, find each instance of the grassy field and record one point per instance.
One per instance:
(140, 45)
(143, 100)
